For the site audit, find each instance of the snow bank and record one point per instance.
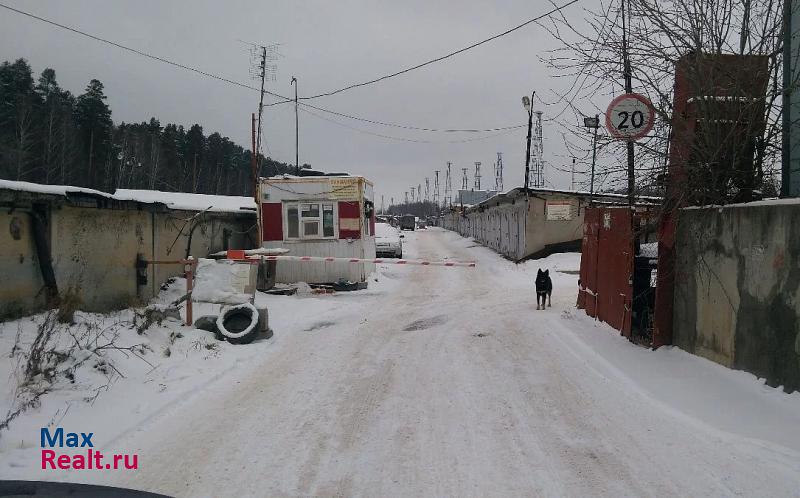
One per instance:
(223, 281)
(141, 379)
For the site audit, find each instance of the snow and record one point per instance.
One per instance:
(222, 281)
(39, 188)
(764, 202)
(649, 250)
(189, 202)
(228, 309)
(433, 381)
(173, 200)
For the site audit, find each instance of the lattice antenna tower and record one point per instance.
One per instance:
(464, 179)
(498, 173)
(263, 68)
(477, 175)
(406, 194)
(537, 154)
(448, 187)
(413, 190)
(436, 187)
(427, 189)
(419, 192)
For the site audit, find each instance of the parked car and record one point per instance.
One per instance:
(387, 241)
(408, 222)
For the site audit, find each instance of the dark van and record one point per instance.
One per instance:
(407, 222)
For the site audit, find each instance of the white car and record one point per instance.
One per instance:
(387, 241)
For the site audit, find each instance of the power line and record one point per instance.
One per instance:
(443, 57)
(409, 127)
(403, 139)
(139, 52)
(253, 88)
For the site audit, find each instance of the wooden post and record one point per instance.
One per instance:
(189, 272)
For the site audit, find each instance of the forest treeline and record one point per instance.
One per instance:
(50, 135)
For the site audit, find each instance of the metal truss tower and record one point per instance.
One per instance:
(477, 175)
(537, 154)
(436, 187)
(498, 173)
(427, 189)
(448, 187)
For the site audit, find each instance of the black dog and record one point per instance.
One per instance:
(544, 288)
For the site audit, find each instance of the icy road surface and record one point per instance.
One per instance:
(448, 382)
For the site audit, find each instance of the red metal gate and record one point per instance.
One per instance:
(606, 284)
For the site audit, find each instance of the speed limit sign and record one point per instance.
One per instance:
(630, 116)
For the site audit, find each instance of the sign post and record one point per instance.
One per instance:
(630, 117)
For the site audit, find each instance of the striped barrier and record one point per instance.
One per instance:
(328, 259)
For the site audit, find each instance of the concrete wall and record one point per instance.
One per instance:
(737, 288)
(94, 251)
(520, 228)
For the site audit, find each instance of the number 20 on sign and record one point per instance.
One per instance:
(630, 116)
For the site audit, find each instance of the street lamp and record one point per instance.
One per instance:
(296, 131)
(592, 122)
(526, 103)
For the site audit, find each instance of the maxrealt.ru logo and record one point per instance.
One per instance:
(91, 459)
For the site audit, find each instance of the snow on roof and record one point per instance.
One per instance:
(39, 188)
(187, 201)
(173, 200)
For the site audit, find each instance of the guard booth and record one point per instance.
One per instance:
(327, 216)
(617, 283)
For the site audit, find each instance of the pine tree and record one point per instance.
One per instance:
(93, 117)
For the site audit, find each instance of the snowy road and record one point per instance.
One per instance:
(448, 382)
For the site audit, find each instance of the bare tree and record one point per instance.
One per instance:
(659, 33)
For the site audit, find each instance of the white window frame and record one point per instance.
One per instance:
(301, 219)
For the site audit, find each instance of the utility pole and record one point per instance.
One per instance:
(626, 63)
(572, 180)
(296, 131)
(262, 66)
(528, 105)
(477, 175)
(260, 55)
(253, 161)
(382, 211)
(592, 123)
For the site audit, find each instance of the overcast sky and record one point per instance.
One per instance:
(326, 45)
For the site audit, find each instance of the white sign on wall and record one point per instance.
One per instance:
(560, 210)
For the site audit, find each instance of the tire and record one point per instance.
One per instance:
(239, 324)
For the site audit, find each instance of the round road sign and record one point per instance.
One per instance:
(630, 116)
